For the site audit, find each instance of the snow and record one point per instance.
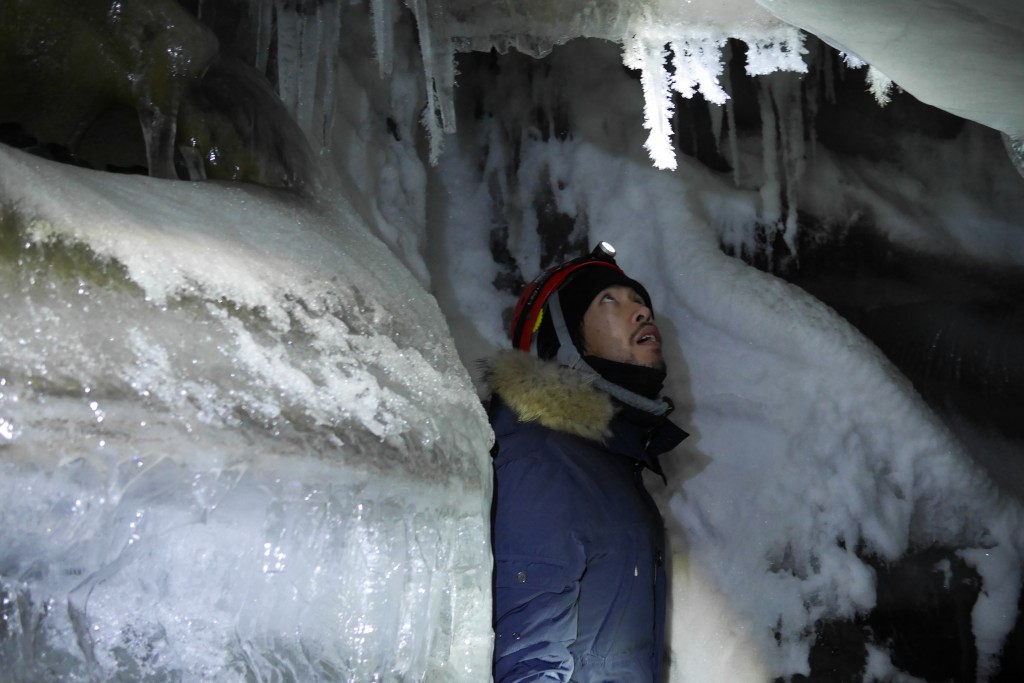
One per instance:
(239, 436)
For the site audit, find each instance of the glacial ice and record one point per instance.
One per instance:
(239, 444)
(962, 56)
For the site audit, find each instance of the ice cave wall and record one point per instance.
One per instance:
(215, 462)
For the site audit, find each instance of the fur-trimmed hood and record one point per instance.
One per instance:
(553, 395)
(568, 401)
(550, 394)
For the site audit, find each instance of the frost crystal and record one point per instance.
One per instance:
(880, 86)
(438, 56)
(783, 51)
(698, 65)
(649, 58)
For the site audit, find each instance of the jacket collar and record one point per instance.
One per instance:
(566, 400)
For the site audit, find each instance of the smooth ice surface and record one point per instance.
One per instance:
(964, 56)
(237, 443)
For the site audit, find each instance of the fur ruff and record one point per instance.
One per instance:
(553, 395)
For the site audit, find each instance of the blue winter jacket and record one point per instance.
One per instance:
(579, 544)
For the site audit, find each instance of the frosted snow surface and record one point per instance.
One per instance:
(235, 442)
(806, 444)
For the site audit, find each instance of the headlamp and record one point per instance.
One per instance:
(604, 251)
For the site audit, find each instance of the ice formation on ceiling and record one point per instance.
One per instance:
(676, 47)
(935, 51)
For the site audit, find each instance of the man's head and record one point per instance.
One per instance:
(619, 326)
(605, 313)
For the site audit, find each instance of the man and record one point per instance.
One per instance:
(579, 544)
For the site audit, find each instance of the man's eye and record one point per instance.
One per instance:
(608, 297)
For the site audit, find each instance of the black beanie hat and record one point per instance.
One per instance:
(575, 297)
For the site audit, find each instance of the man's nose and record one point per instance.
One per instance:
(642, 314)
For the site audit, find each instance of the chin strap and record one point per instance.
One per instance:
(659, 407)
(569, 356)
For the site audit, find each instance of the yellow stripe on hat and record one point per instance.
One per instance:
(536, 325)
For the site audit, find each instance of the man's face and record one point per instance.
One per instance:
(619, 326)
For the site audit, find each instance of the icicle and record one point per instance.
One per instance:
(162, 52)
(439, 74)
(853, 61)
(444, 56)
(791, 129)
(880, 86)
(730, 112)
(264, 21)
(685, 78)
(195, 169)
(784, 149)
(649, 59)
(305, 76)
(698, 65)
(159, 130)
(383, 37)
(307, 55)
(289, 55)
(828, 71)
(1015, 148)
(310, 50)
(812, 98)
(771, 209)
(329, 51)
(715, 112)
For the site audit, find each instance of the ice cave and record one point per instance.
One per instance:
(252, 253)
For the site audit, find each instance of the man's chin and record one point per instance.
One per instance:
(654, 363)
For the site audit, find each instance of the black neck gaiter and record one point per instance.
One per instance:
(639, 379)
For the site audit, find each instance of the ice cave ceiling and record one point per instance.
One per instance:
(194, 74)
